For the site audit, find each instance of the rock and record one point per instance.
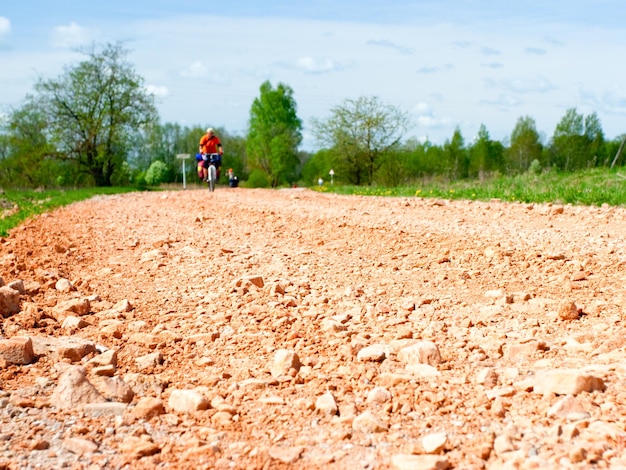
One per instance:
(71, 324)
(286, 362)
(9, 301)
(379, 395)
(113, 389)
(503, 444)
(105, 359)
(434, 443)
(419, 462)
(149, 361)
(424, 352)
(326, 404)
(374, 353)
(367, 422)
(138, 447)
(63, 285)
(79, 446)
(148, 407)
(74, 390)
(423, 371)
(286, 455)
(18, 285)
(567, 382)
(487, 376)
(64, 309)
(568, 311)
(254, 279)
(17, 350)
(105, 409)
(566, 406)
(187, 401)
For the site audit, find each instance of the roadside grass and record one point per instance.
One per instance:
(17, 206)
(592, 187)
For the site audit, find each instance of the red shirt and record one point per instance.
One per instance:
(210, 144)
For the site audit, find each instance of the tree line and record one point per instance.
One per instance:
(96, 125)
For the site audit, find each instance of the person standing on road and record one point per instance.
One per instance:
(210, 143)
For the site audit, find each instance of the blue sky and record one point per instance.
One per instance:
(446, 63)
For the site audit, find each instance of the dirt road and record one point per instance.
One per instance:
(292, 329)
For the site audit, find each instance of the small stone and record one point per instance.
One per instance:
(285, 361)
(434, 443)
(367, 422)
(419, 462)
(567, 382)
(424, 352)
(379, 395)
(63, 285)
(286, 455)
(187, 401)
(326, 404)
(79, 446)
(148, 407)
(17, 350)
(139, 446)
(374, 353)
(568, 311)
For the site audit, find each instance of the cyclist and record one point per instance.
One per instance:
(210, 144)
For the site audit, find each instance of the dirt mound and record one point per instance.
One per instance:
(294, 329)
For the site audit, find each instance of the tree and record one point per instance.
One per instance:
(94, 109)
(274, 134)
(361, 132)
(456, 155)
(568, 146)
(596, 148)
(485, 155)
(525, 144)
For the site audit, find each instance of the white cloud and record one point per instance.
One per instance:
(311, 65)
(535, 50)
(199, 70)
(69, 36)
(520, 85)
(158, 91)
(503, 101)
(435, 69)
(195, 70)
(610, 101)
(390, 45)
(425, 117)
(5, 26)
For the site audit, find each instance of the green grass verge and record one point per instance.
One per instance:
(17, 206)
(592, 187)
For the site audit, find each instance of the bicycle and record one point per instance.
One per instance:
(213, 159)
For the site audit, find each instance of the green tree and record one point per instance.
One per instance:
(568, 147)
(485, 155)
(525, 145)
(24, 163)
(274, 134)
(596, 145)
(456, 155)
(94, 109)
(360, 133)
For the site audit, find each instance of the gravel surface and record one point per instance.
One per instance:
(259, 329)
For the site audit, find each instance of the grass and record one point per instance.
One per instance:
(17, 206)
(592, 187)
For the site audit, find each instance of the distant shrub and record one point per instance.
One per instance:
(157, 173)
(535, 167)
(257, 179)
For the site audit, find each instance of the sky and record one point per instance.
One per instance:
(446, 63)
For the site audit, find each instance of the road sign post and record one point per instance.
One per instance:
(183, 157)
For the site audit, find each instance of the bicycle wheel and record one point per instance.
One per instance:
(212, 177)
